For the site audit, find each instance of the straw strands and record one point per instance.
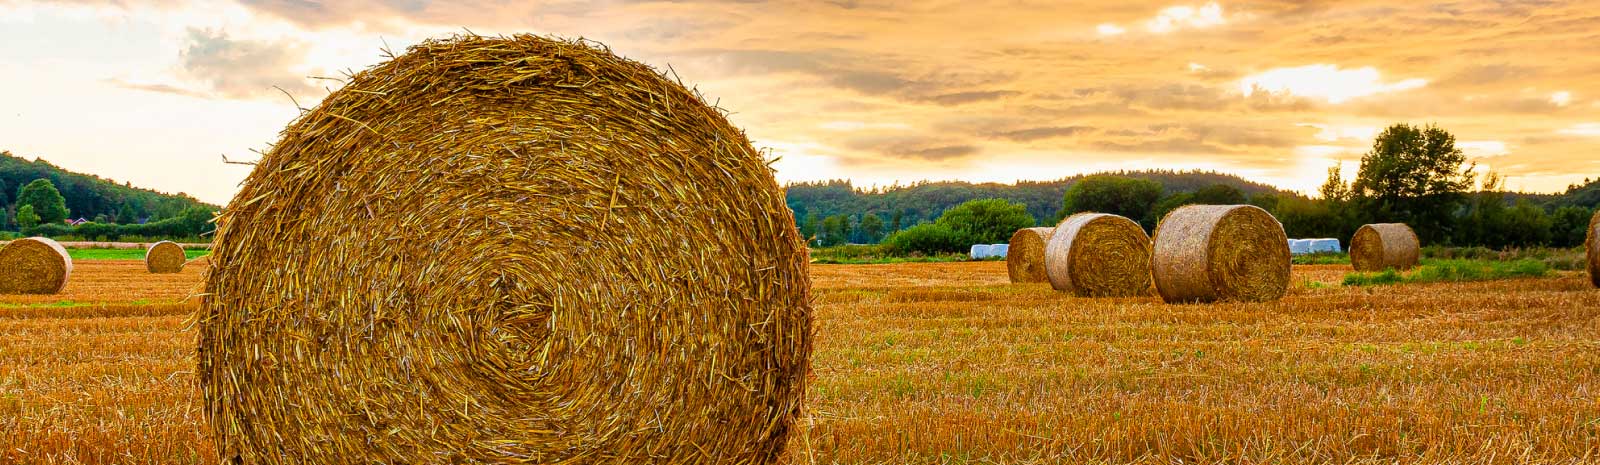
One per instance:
(1099, 255)
(493, 250)
(1377, 247)
(1025, 255)
(1208, 253)
(164, 257)
(35, 265)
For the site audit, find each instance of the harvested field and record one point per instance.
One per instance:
(949, 363)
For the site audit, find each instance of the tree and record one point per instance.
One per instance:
(1414, 175)
(835, 230)
(26, 218)
(1569, 226)
(1117, 195)
(1215, 194)
(894, 223)
(871, 228)
(987, 221)
(927, 238)
(125, 215)
(46, 201)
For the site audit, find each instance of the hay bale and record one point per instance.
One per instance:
(999, 250)
(36, 265)
(1592, 244)
(164, 257)
(1025, 255)
(1207, 253)
(980, 251)
(1099, 255)
(1325, 246)
(494, 250)
(1299, 246)
(1377, 247)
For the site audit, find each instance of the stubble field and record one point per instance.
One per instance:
(948, 363)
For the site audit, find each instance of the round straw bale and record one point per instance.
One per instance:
(1380, 246)
(36, 265)
(1099, 255)
(1025, 256)
(1207, 253)
(164, 257)
(1592, 244)
(494, 250)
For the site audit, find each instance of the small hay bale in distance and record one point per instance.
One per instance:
(35, 265)
(493, 250)
(1381, 246)
(1025, 257)
(1207, 253)
(1099, 255)
(1592, 245)
(164, 257)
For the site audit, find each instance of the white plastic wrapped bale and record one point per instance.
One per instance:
(979, 251)
(1299, 246)
(1325, 246)
(999, 250)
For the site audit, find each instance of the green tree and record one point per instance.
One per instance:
(894, 222)
(26, 218)
(125, 215)
(46, 201)
(1215, 194)
(835, 230)
(871, 228)
(1117, 195)
(1568, 226)
(927, 239)
(987, 221)
(1414, 175)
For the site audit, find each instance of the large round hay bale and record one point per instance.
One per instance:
(1377, 247)
(1099, 255)
(1207, 253)
(494, 250)
(1592, 245)
(1025, 255)
(35, 265)
(164, 257)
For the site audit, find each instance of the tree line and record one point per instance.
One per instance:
(1412, 174)
(37, 207)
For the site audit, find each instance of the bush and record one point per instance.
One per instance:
(986, 221)
(927, 239)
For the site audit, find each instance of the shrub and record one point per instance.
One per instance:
(927, 239)
(987, 221)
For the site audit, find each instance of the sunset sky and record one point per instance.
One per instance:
(157, 92)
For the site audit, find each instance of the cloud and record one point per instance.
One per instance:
(1582, 129)
(1040, 133)
(915, 147)
(1184, 16)
(242, 68)
(1110, 29)
(157, 88)
(1325, 81)
(970, 97)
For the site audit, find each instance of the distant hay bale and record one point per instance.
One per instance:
(1099, 255)
(1206, 253)
(1025, 256)
(1377, 247)
(1592, 244)
(36, 265)
(498, 250)
(1299, 246)
(164, 257)
(999, 250)
(980, 251)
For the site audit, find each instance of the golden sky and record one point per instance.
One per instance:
(156, 92)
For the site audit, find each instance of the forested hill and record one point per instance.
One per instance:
(88, 196)
(924, 201)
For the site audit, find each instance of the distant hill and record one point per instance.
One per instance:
(88, 195)
(924, 201)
